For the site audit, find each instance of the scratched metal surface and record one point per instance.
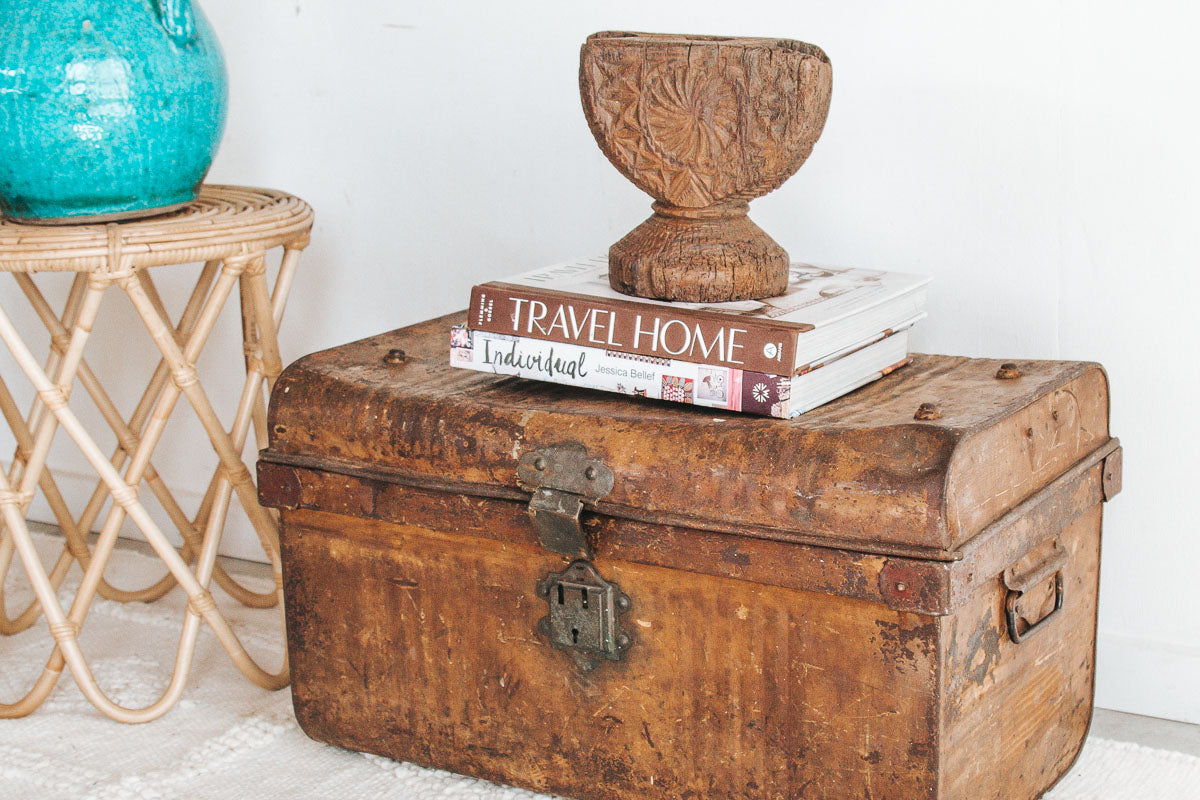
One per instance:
(859, 470)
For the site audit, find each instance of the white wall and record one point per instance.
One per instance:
(1040, 160)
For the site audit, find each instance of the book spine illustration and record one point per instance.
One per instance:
(617, 371)
(696, 336)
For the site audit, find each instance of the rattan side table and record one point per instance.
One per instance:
(230, 229)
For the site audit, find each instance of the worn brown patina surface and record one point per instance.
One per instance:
(818, 606)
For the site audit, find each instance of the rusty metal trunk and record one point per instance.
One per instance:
(891, 596)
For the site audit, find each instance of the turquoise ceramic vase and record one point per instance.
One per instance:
(109, 109)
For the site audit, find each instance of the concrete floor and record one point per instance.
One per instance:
(1148, 731)
(1106, 724)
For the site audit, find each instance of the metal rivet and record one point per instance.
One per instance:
(395, 356)
(927, 411)
(900, 587)
(1008, 371)
(590, 473)
(623, 640)
(539, 463)
(623, 603)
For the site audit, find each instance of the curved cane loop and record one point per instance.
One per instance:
(166, 400)
(79, 607)
(229, 640)
(65, 630)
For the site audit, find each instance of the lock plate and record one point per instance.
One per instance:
(584, 615)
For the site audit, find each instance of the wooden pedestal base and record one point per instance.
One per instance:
(708, 255)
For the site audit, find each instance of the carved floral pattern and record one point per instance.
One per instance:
(694, 124)
(690, 119)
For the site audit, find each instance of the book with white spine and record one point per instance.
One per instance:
(718, 387)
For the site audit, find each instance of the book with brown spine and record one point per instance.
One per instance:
(824, 311)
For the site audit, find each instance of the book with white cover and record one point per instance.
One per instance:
(824, 311)
(781, 396)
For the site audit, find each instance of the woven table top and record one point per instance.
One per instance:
(222, 222)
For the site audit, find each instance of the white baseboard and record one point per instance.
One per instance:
(239, 539)
(1148, 677)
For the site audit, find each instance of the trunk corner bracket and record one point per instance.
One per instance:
(1111, 474)
(562, 478)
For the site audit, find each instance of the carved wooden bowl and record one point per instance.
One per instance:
(703, 124)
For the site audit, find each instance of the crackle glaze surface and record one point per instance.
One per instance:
(107, 109)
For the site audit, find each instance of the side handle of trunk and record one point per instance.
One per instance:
(1019, 583)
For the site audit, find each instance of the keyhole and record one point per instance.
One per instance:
(561, 597)
(584, 593)
(574, 635)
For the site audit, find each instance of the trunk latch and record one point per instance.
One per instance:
(562, 478)
(583, 618)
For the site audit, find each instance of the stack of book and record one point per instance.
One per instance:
(833, 331)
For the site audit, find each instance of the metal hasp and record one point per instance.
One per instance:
(561, 478)
(583, 619)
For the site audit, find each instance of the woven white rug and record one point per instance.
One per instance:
(228, 739)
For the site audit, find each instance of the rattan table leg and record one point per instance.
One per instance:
(54, 358)
(65, 627)
(146, 403)
(230, 229)
(183, 373)
(75, 547)
(37, 445)
(128, 442)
